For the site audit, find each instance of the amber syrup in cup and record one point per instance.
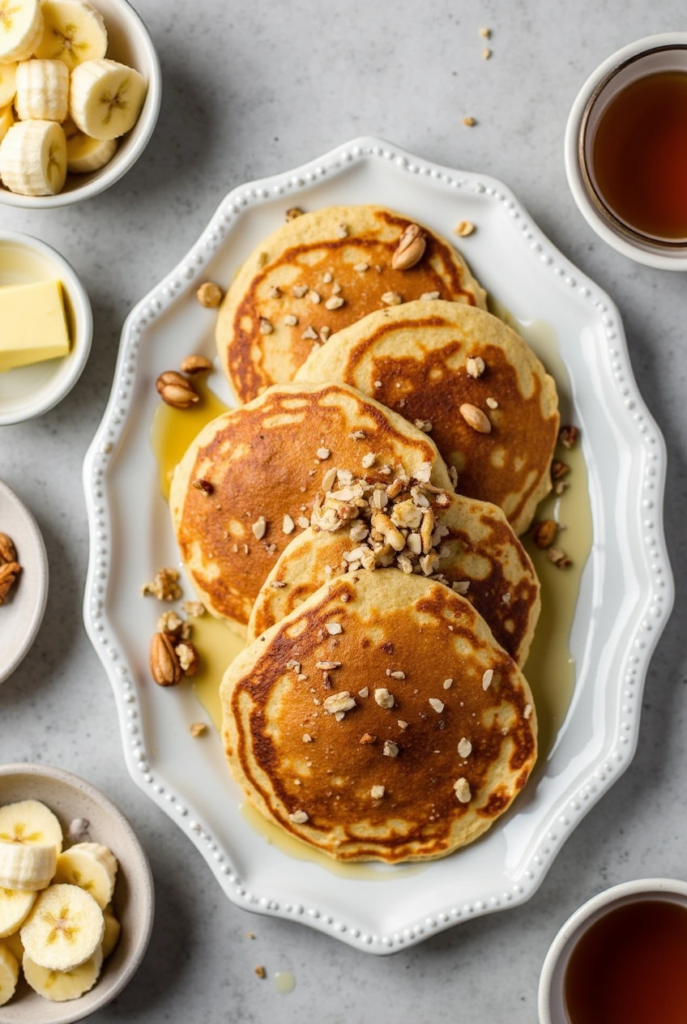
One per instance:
(639, 156)
(630, 967)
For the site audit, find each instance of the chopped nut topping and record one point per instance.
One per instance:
(475, 418)
(335, 302)
(293, 212)
(288, 525)
(290, 320)
(448, 683)
(453, 473)
(462, 790)
(164, 587)
(327, 666)
(309, 333)
(358, 435)
(265, 326)
(377, 792)
(294, 665)
(336, 289)
(339, 703)
(395, 673)
(366, 739)
(260, 971)
(188, 658)
(169, 622)
(303, 522)
(277, 584)
(342, 231)
(209, 295)
(475, 366)
(307, 738)
(465, 747)
(401, 724)
(299, 817)
(327, 278)
(383, 697)
(544, 533)
(559, 558)
(527, 711)
(328, 479)
(461, 587)
(203, 485)
(492, 403)
(469, 122)
(429, 296)
(323, 453)
(333, 628)
(300, 290)
(325, 332)
(559, 469)
(506, 598)
(314, 297)
(197, 729)
(390, 749)
(368, 460)
(195, 609)
(391, 299)
(465, 228)
(360, 268)
(487, 678)
(568, 436)
(438, 705)
(425, 425)
(259, 528)
(423, 472)
(275, 292)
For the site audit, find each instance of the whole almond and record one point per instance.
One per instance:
(195, 364)
(475, 418)
(8, 575)
(410, 249)
(8, 552)
(164, 663)
(176, 390)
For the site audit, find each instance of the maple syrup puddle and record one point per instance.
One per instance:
(550, 668)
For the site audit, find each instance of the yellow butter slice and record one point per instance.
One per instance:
(33, 324)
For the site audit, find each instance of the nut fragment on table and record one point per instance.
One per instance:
(176, 390)
(293, 212)
(209, 295)
(410, 249)
(195, 364)
(559, 558)
(198, 729)
(469, 122)
(165, 586)
(559, 469)
(568, 436)
(465, 228)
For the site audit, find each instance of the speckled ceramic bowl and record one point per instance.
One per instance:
(71, 797)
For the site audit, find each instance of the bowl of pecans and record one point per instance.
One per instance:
(23, 580)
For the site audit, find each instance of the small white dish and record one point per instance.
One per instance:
(70, 797)
(29, 391)
(552, 981)
(664, 52)
(22, 613)
(129, 43)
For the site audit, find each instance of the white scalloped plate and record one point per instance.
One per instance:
(625, 598)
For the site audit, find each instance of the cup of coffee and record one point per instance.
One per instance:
(626, 151)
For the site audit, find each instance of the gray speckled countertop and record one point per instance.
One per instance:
(251, 88)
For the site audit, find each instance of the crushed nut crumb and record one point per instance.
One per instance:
(259, 528)
(164, 587)
(462, 790)
(438, 705)
(377, 792)
(383, 697)
(390, 749)
(197, 729)
(487, 678)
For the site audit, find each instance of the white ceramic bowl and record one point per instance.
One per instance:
(29, 391)
(665, 52)
(551, 983)
(22, 613)
(71, 797)
(129, 43)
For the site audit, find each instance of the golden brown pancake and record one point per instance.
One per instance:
(416, 359)
(318, 274)
(252, 466)
(380, 720)
(478, 552)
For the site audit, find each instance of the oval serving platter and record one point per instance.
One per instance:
(626, 589)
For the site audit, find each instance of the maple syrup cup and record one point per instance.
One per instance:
(551, 1003)
(652, 55)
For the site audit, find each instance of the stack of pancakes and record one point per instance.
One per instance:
(357, 519)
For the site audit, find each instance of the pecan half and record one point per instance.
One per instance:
(195, 364)
(568, 436)
(8, 575)
(544, 533)
(176, 390)
(8, 552)
(164, 663)
(559, 469)
(410, 249)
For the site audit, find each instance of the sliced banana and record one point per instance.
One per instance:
(27, 868)
(9, 974)
(90, 866)
(73, 32)
(105, 98)
(8, 74)
(30, 821)
(14, 944)
(70, 129)
(14, 909)
(85, 154)
(112, 930)
(59, 986)
(64, 929)
(33, 160)
(6, 121)
(21, 28)
(42, 90)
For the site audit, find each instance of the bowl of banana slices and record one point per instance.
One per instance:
(80, 90)
(76, 897)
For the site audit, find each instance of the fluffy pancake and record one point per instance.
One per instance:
(415, 357)
(252, 466)
(310, 744)
(316, 262)
(478, 549)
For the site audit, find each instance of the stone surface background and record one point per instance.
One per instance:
(252, 88)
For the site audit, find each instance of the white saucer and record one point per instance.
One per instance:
(22, 613)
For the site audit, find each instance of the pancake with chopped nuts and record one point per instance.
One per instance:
(248, 482)
(321, 272)
(477, 553)
(380, 720)
(468, 380)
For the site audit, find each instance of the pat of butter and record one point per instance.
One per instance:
(33, 324)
